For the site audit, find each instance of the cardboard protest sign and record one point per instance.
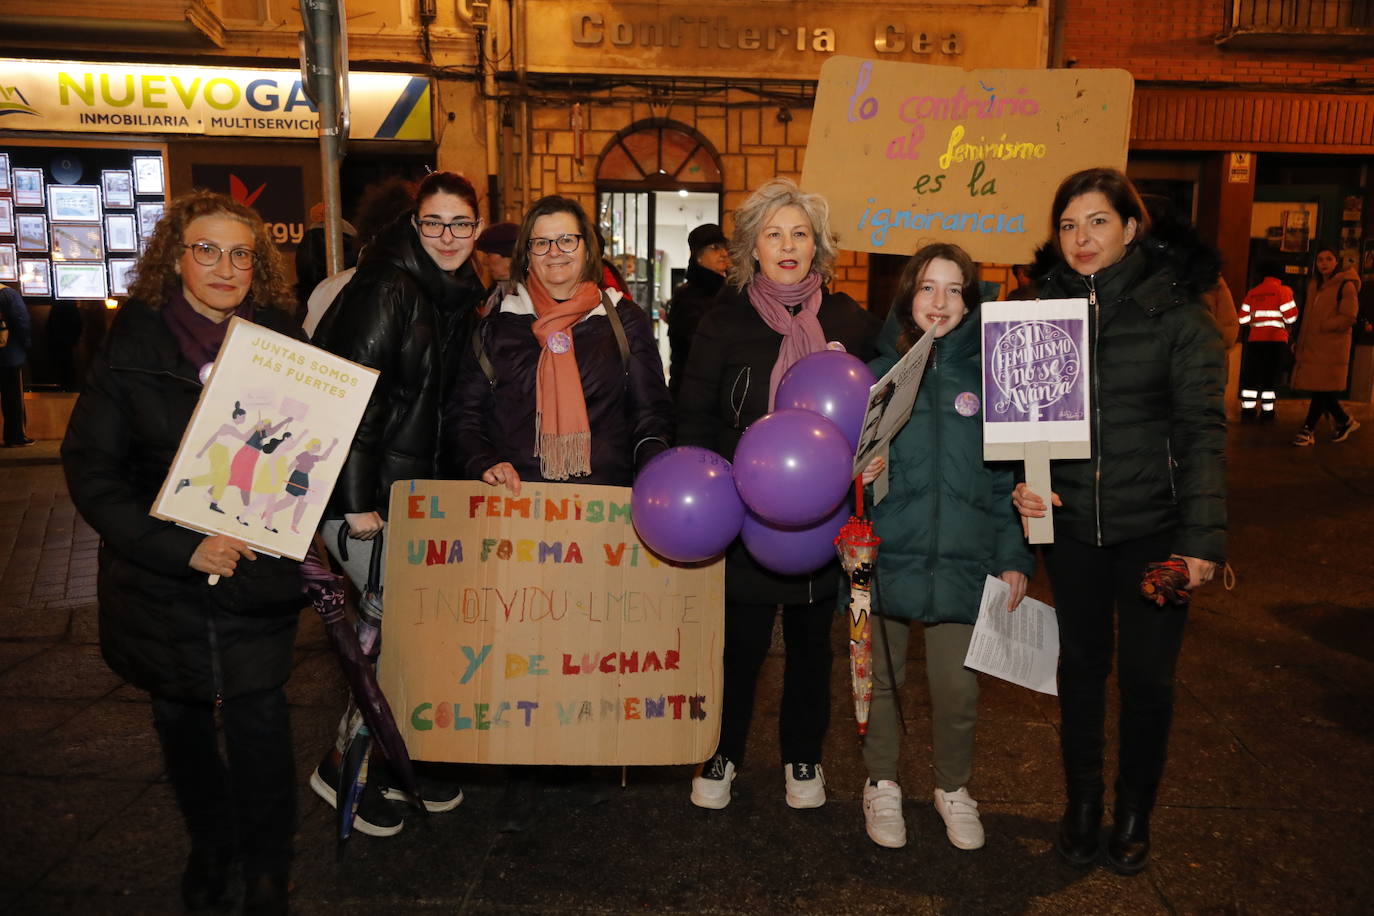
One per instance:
(266, 442)
(1036, 385)
(890, 402)
(538, 629)
(909, 154)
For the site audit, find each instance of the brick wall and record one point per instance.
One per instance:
(1173, 40)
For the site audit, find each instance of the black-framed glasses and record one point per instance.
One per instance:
(567, 243)
(207, 254)
(459, 228)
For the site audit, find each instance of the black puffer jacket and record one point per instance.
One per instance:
(162, 626)
(726, 389)
(402, 315)
(690, 302)
(631, 419)
(1158, 425)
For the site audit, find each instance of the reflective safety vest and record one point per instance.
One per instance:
(1269, 309)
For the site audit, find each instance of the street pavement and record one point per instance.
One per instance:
(1265, 806)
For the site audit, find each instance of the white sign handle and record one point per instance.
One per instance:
(1037, 458)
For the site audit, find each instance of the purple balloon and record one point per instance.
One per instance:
(793, 467)
(685, 506)
(833, 384)
(793, 551)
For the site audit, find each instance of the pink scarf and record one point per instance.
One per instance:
(801, 333)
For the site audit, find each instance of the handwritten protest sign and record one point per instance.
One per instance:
(1036, 389)
(266, 442)
(538, 629)
(915, 153)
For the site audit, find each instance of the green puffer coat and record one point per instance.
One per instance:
(1158, 425)
(947, 520)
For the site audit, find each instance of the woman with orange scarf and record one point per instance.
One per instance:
(555, 369)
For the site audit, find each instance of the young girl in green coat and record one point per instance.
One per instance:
(947, 522)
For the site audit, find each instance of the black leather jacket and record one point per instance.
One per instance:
(401, 315)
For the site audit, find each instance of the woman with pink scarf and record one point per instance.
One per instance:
(773, 310)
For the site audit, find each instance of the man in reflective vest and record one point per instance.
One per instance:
(1267, 312)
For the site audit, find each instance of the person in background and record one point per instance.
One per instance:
(775, 310)
(1025, 284)
(1323, 346)
(205, 652)
(946, 524)
(706, 268)
(495, 248)
(18, 338)
(382, 204)
(1153, 490)
(312, 261)
(1267, 312)
(63, 333)
(407, 313)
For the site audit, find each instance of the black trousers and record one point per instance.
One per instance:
(1323, 402)
(248, 807)
(1097, 596)
(805, 713)
(12, 403)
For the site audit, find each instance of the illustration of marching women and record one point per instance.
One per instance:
(406, 312)
(204, 652)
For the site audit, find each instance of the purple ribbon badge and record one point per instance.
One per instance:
(967, 404)
(559, 342)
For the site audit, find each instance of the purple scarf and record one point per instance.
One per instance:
(801, 333)
(198, 337)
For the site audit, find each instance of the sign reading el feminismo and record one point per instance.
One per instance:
(219, 101)
(911, 153)
(537, 629)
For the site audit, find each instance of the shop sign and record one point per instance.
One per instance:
(77, 97)
(1239, 168)
(765, 41)
(272, 190)
(910, 153)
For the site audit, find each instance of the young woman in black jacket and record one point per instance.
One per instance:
(406, 312)
(774, 310)
(1154, 488)
(197, 649)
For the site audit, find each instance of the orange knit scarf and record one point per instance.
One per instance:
(562, 434)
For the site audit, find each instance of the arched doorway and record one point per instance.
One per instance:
(656, 181)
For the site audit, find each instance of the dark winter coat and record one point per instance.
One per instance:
(1323, 346)
(726, 389)
(162, 626)
(631, 417)
(402, 315)
(947, 521)
(1158, 424)
(690, 302)
(16, 315)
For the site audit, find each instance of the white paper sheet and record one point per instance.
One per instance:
(1021, 647)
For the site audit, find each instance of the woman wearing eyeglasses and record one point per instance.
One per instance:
(407, 313)
(199, 650)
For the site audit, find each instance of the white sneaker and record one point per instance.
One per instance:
(883, 813)
(960, 813)
(805, 784)
(711, 785)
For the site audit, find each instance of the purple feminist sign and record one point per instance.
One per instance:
(1034, 369)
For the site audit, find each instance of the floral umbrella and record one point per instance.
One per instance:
(857, 546)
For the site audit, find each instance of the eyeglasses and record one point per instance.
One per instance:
(207, 254)
(459, 228)
(567, 243)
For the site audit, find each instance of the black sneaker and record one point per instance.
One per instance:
(374, 816)
(438, 794)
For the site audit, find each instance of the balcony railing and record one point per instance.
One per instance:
(1339, 26)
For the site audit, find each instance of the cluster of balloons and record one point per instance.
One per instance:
(787, 492)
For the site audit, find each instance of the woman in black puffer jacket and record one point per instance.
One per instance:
(197, 649)
(1154, 488)
(407, 313)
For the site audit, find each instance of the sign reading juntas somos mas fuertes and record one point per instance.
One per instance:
(538, 629)
(221, 101)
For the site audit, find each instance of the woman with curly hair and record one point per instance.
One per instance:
(198, 649)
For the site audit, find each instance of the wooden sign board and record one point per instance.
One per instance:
(1036, 385)
(909, 154)
(266, 442)
(539, 630)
